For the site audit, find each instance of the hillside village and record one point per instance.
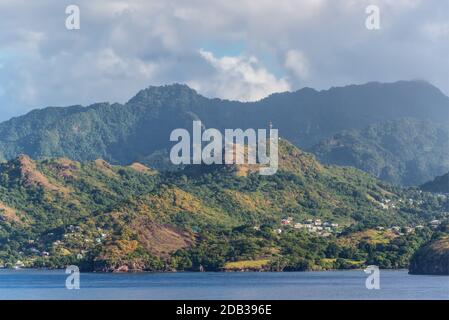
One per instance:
(316, 226)
(326, 228)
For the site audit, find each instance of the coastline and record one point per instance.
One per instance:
(130, 271)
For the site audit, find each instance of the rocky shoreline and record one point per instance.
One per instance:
(432, 258)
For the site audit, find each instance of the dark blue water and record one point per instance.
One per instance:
(37, 284)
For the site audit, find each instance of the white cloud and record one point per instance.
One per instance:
(109, 63)
(252, 48)
(297, 62)
(239, 77)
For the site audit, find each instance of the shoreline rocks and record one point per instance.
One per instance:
(432, 258)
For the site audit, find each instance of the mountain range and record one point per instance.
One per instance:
(396, 131)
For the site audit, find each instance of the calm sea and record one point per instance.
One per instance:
(39, 284)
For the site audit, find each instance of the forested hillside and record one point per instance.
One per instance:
(405, 151)
(139, 130)
(439, 185)
(307, 216)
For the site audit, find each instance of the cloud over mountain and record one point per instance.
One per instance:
(250, 49)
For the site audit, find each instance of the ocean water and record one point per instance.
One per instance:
(398, 284)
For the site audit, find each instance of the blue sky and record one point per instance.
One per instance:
(242, 50)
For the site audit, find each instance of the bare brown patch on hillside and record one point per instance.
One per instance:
(142, 168)
(290, 159)
(243, 168)
(9, 214)
(33, 177)
(160, 240)
(105, 167)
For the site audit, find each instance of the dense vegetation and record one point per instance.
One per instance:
(139, 130)
(405, 151)
(432, 258)
(57, 212)
(439, 184)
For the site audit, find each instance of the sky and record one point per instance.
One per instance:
(241, 50)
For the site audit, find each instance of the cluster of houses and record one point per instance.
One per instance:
(406, 230)
(400, 231)
(41, 253)
(76, 231)
(317, 226)
(327, 228)
(434, 223)
(73, 234)
(393, 204)
(387, 204)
